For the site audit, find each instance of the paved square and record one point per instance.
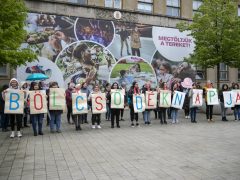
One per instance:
(180, 151)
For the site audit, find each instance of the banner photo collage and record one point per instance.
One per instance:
(72, 49)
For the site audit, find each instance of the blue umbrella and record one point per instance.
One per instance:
(37, 76)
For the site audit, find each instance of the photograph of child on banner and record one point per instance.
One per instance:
(132, 68)
(85, 61)
(47, 34)
(99, 31)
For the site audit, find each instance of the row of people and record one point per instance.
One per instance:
(54, 116)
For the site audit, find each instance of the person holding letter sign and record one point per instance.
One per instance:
(221, 98)
(133, 90)
(146, 114)
(37, 99)
(12, 104)
(96, 118)
(163, 110)
(174, 111)
(55, 115)
(209, 107)
(116, 99)
(236, 108)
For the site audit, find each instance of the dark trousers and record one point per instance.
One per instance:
(121, 113)
(4, 121)
(115, 113)
(69, 113)
(83, 118)
(133, 115)
(15, 118)
(209, 111)
(186, 111)
(78, 118)
(37, 121)
(25, 116)
(136, 52)
(193, 112)
(162, 114)
(96, 119)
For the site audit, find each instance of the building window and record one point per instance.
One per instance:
(238, 74)
(145, 6)
(238, 10)
(223, 71)
(113, 4)
(196, 5)
(201, 73)
(83, 2)
(173, 8)
(3, 70)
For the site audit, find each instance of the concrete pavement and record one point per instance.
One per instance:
(180, 151)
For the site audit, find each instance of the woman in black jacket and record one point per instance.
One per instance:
(114, 112)
(221, 98)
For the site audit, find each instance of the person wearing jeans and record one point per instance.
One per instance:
(193, 109)
(37, 119)
(55, 115)
(236, 108)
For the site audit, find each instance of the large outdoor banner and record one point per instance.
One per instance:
(57, 99)
(72, 49)
(14, 102)
(38, 102)
(151, 99)
(79, 103)
(165, 98)
(178, 99)
(139, 103)
(99, 103)
(117, 99)
(212, 97)
(197, 97)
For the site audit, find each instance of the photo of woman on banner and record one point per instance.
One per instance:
(135, 41)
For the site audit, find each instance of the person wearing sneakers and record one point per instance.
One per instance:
(133, 90)
(78, 118)
(37, 119)
(209, 108)
(13, 84)
(114, 112)
(96, 118)
(146, 113)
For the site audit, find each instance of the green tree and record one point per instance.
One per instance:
(12, 34)
(216, 30)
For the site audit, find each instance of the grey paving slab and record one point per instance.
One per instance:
(173, 151)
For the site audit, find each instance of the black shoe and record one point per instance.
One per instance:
(132, 125)
(137, 124)
(40, 133)
(165, 122)
(26, 125)
(76, 128)
(195, 121)
(35, 133)
(149, 123)
(86, 122)
(118, 126)
(112, 126)
(161, 122)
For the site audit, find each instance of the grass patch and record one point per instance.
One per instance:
(145, 67)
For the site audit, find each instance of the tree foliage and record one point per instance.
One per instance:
(216, 30)
(12, 34)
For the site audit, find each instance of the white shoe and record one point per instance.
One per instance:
(93, 127)
(99, 127)
(19, 134)
(12, 134)
(177, 121)
(186, 117)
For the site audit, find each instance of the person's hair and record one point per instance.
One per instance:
(77, 52)
(53, 84)
(113, 85)
(133, 84)
(235, 86)
(4, 87)
(162, 84)
(108, 84)
(224, 85)
(167, 66)
(34, 84)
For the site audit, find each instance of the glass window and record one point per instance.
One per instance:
(3, 70)
(78, 1)
(173, 8)
(196, 5)
(223, 71)
(238, 10)
(145, 6)
(238, 74)
(201, 73)
(113, 3)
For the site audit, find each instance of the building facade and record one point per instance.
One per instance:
(161, 13)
